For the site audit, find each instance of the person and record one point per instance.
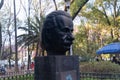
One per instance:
(57, 34)
(32, 66)
(23, 66)
(96, 58)
(2, 70)
(114, 60)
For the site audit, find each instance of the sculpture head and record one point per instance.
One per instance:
(57, 33)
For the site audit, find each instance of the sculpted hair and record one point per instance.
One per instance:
(50, 21)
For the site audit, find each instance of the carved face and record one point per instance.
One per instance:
(57, 32)
(63, 32)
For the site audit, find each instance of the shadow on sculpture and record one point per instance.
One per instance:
(57, 33)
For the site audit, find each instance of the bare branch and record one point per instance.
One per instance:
(72, 1)
(73, 17)
(23, 7)
(1, 4)
(55, 5)
(105, 14)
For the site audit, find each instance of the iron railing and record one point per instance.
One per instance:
(99, 76)
(83, 76)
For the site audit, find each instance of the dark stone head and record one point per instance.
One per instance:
(57, 33)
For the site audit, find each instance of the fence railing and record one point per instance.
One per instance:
(83, 76)
(21, 75)
(99, 76)
(18, 77)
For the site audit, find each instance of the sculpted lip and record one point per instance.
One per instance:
(68, 42)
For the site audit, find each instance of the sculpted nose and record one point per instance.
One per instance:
(71, 37)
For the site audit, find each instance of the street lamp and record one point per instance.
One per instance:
(67, 5)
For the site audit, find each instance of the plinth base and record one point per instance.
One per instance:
(57, 68)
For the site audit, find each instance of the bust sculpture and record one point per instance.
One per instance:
(57, 34)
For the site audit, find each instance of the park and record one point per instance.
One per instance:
(59, 40)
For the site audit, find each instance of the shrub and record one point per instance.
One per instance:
(100, 67)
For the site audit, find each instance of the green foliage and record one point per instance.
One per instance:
(34, 31)
(84, 46)
(80, 41)
(98, 29)
(100, 67)
(76, 5)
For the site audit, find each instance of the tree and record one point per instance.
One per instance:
(34, 34)
(106, 12)
(76, 6)
(0, 40)
(16, 50)
(103, 17)
(1, 4)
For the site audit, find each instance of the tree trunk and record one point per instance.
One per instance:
(55, 5)
(16, 52)
(75, 14)
(10, 49)
(0, 40)
(1, 4)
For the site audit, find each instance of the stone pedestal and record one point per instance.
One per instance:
(57, 68)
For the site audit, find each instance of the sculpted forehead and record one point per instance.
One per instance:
(64, 21)
(57, 17)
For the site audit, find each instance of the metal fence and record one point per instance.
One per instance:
(18, 77)
(21, 75)
(99, 76)
(83, 76)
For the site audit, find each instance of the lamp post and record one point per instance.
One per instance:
(67, 9)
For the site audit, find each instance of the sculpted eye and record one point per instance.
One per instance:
(66, 30)
(71, 30)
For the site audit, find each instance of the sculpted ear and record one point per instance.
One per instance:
(49, 34)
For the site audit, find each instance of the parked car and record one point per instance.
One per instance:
(2, 70)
